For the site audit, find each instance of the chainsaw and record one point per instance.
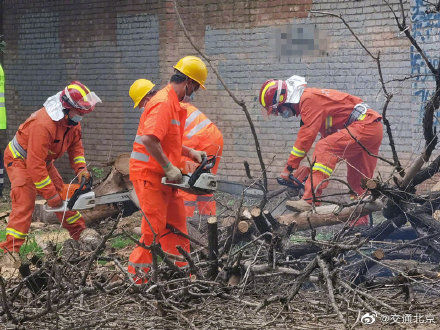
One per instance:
(84, 198)
(200, 182)
(296, 187)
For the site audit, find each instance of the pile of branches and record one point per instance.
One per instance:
(247, 263)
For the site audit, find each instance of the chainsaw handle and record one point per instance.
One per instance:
(206, 164)
(85, 186)
(298, 182)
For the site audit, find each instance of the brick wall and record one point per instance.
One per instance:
(108, 44)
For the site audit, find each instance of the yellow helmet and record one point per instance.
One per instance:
(193, 67)
(139, 89)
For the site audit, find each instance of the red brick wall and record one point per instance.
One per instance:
(108, 44)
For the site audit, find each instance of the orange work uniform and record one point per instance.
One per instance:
(201, 134)
(164, 118)
(326, 111)
(29, 163)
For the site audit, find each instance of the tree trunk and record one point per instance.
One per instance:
(327, 215)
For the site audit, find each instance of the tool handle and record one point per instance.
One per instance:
(84, 187)
(294, 179)
(62, 208)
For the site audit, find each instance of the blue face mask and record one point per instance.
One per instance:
(76, 118)
(286, 112)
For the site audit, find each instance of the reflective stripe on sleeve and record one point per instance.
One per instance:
(297, 152)
(192, 117)
(14, 151)
(15, 233)
(79, 159)
(198, 127)
(140, 156)
(175, 122)
(43, 183)
(190, 203)
(138, 139)
(322, 168)
(74, 218)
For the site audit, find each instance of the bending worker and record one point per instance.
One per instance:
(334, 115)
(200, 134)
(157, 151)
(29, 157)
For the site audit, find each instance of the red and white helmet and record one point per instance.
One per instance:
(77, 96)
(273, 93)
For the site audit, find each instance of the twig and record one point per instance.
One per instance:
(325, 272)
(99, 249)
(241, 103)
(366, 295)
(5, 301)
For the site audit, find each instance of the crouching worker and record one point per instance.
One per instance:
(334, 115)
(29, 157)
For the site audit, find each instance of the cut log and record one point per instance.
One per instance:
(246, 214)
(328, 215)
(378, 254)
(122, 164)
(260, 221)
(227, 222)
(243, 227)
(116, 181)
(273, 222)
(213, 247)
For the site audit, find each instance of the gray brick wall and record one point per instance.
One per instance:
(108, 44)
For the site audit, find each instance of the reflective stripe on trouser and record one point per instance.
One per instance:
(205, 204)
(23, 194)
(162, 206)
(341, 145)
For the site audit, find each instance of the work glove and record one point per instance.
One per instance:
(172, 173)
(84, 174)
(196, 155)
(55, 201)
(286, 172)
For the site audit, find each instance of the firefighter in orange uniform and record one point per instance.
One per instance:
(201, 134)
(157, 151)
(331, 113)
(29, 157)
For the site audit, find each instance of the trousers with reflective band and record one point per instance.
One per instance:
(163, 208)
(341, 146)
(23, 195)
(205, 204)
